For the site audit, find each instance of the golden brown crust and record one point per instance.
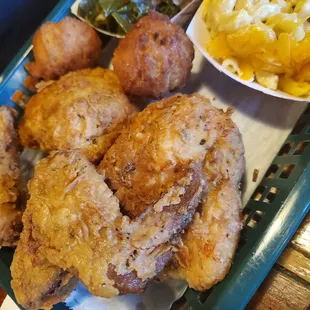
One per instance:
(157, 168)
(76, 224)
(36, 283)
(62, 47)
(10, 194)
(145, 160)
(83, 110)
(210, 242)
(155, 57)
(149, 156)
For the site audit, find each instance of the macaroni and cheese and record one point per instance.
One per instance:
(262, 40)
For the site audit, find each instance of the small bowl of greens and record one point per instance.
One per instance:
(115, 17)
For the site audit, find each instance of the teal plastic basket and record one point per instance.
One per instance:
(273, 213)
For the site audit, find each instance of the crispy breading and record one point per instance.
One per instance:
(177, 154)
(77, 225)
(155, 57)
(144, 161)
(10, 191)
(62, 47)
(36, 283)
(210, 242)
(83, 110)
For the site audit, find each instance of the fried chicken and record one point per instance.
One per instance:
(210, 242)
(84, 110)
(36, 283)
(144, 161)
(10, 191)
(147, 158)
(155, 57)
(178, 154)
(76, 222)
(62, 47)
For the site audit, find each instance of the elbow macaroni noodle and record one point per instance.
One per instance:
(268, 41)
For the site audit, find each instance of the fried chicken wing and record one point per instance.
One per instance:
(10, 192)
(36, 283)
(78, 226)
(155, 57)
(62, 47)
(210, 242)
(84, 110)
(145, 159)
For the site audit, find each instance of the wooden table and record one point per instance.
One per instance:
(287, 286)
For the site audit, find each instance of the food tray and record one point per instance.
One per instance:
(273, 212)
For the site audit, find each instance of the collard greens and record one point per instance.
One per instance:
(117, 16)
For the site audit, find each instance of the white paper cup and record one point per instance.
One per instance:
(199, 34)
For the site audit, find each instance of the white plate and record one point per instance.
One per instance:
(199, 34)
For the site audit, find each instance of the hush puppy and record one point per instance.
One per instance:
(61, 47)
(154, 58)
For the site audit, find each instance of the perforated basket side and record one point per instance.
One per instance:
(273, 213)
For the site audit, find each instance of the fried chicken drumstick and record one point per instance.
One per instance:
(10, 194)
(74, 221)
